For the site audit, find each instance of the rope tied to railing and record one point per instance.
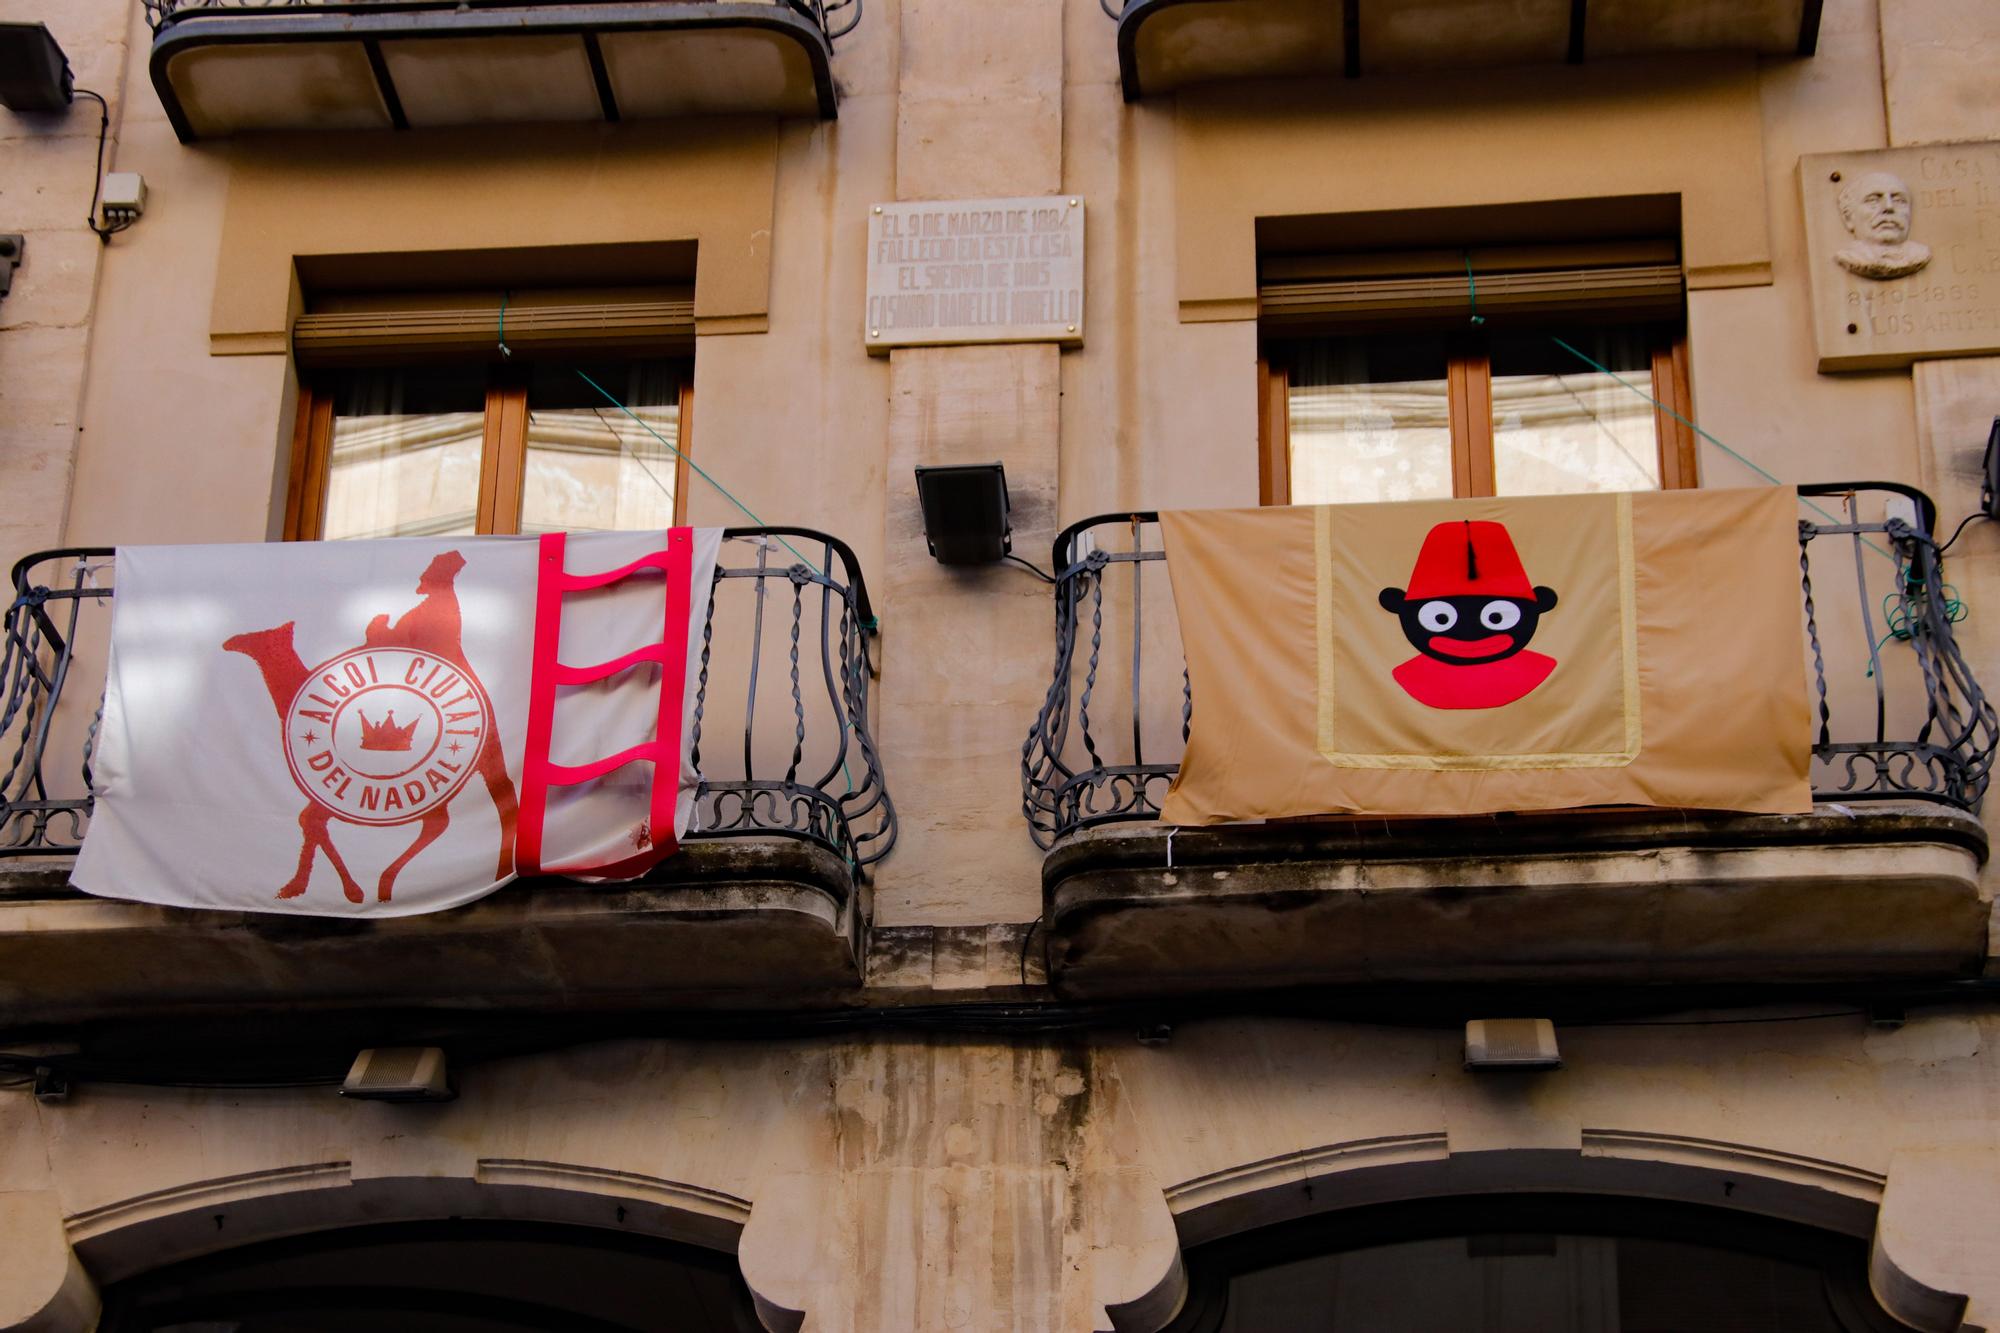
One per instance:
(697, 468)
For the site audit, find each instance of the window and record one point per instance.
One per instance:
(443, 451)
(412, 422)
(1378, 384)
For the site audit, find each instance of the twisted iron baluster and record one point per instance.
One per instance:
(1096, 577)
(24, 646)
(756, 657)
(90, 747)
(1806, 531)
(798, 577)
(701, 680)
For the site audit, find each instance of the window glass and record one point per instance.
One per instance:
(404, 458)
(1560, 425)
(1370, 419)
(593, 466)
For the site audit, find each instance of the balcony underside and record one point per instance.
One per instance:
(744, 922)
(222, 72)
(1169, 44)
(1881, 892)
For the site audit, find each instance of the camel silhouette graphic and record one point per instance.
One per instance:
(432, 626)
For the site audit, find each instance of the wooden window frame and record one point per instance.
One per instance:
(503, 459)
(1469, 387)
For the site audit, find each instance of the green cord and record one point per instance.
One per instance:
(1896, 612)
(505, 350)
(699, 470)
(1606, 370)
(874, 623)
(1472, 288)
(1897, 615)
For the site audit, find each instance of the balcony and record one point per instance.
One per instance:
(227, 66)
(1878, 883)
(1164, 45)
(764, 903)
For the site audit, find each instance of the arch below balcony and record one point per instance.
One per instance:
(1827, 1197)
(197, 1218)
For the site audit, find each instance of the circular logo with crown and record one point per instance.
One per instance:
(385, 735)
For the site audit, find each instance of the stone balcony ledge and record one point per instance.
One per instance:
(1165, 45)
(741, 922)
(1881, 891)
(227, 68)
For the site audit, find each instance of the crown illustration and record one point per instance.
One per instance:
(386, 735)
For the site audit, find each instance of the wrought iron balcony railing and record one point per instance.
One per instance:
(1898, 714)
(812, 773)
(835, 19)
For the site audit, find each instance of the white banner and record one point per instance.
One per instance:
(391, 727)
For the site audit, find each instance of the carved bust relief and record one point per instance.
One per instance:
(1876, 209)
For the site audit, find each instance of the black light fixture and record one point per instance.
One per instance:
(34, 72)
(965, 513)
(1989, 489)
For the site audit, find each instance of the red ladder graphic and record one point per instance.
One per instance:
(538, 773)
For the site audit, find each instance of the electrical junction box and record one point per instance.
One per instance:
(124, 198)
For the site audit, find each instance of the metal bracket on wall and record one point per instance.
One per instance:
(12, 244)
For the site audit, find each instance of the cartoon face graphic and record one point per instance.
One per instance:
(1469, 631)
(1469, 611)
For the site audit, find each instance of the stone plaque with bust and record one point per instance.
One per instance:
(1903, 246)
(975, 271)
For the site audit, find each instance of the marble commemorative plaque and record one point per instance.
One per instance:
(975, 271)
(1903, 247)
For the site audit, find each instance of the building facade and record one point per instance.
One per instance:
(950, 1032)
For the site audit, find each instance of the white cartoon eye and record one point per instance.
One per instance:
(1437, 617)
(1500, 615)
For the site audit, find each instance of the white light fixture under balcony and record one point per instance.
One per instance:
(1511, 1043)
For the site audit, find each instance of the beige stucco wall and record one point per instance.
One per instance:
(880, 1183)
(46, 161)
(1157, 409)
(952, 1181)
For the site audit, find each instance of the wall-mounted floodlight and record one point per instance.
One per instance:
(34, 73)
(965, 513)
(1989, 490)
(12, 246)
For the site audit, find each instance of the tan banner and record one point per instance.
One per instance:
(1467, 656)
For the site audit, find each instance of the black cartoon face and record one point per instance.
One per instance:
(1468, 630)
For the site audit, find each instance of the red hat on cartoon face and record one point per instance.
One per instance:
(1469, 558)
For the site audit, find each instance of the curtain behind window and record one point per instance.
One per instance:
(405, 452)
